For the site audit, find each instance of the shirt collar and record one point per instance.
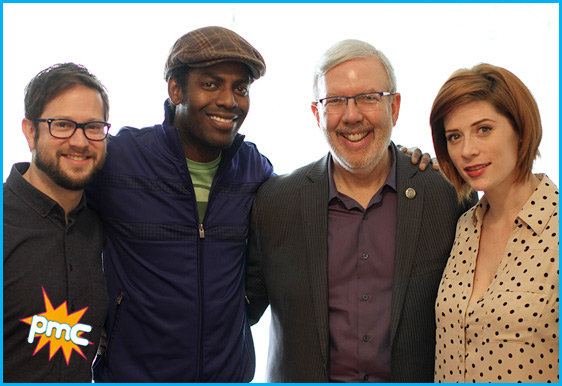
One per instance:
(37, 200)
(538, 209)
(535, 213)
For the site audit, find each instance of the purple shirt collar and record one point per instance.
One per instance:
(390, 179)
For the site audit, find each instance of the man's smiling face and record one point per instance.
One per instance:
(211, 110)
(70, 163)
(358, 140)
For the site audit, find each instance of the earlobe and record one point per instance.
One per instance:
(28, 130)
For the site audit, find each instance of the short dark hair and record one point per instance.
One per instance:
(180, 74)
(509, 96)
(52, 81)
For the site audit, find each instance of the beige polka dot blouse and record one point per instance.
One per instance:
(511, 333)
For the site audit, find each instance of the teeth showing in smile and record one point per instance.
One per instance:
(77, 158)
(478, 167)
(219, 119)
(355, 137)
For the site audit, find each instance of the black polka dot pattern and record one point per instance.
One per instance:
(511, 333)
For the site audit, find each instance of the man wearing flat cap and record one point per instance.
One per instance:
(175, 201)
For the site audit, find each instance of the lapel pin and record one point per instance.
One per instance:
(410, 193)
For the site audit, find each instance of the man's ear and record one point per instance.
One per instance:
(396, 99)
(314, 107)
(174, 91)
(29, 130)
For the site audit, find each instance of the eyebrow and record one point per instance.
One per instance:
(69, 118)
(481, 121)
(473, 124)
(217, 78)
(333, 95)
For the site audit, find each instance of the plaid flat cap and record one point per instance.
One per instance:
(211, 45)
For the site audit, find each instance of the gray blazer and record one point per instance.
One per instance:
(287, 268)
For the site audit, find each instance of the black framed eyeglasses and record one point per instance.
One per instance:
(366, 101)
(65, 128)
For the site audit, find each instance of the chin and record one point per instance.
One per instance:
(76, 182)
(224, 143)
(351, 164)
(478, 186)
(74, 179)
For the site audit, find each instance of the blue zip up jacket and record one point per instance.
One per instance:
(177, 311)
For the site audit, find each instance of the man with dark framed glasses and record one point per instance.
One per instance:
(55, 297)
(65, 128)
(348, 251)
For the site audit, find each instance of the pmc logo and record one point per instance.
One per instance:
(56, 327)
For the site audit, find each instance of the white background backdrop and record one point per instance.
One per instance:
(126, 46)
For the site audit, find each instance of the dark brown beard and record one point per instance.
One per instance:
(62, 179)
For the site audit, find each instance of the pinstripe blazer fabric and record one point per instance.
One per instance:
(287, 268)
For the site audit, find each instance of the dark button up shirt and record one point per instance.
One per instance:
(361, 265)
(55, 299)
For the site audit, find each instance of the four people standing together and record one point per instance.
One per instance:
(348, 251)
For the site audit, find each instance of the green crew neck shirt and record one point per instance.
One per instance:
(202, 175)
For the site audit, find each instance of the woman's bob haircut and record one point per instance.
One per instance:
(507, 94)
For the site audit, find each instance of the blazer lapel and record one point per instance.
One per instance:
(314, 203)
(407, 233)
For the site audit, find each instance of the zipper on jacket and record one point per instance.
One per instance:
(201, 231)
(218, 176)
(201, 275)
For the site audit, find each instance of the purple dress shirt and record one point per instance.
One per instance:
(360, 267)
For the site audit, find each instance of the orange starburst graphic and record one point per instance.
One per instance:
(57, 327)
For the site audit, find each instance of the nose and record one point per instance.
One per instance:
(79, 139)
(469, 147)
(227, 98)
(352, 113)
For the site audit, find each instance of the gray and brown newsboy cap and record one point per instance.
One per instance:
(211, 45)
